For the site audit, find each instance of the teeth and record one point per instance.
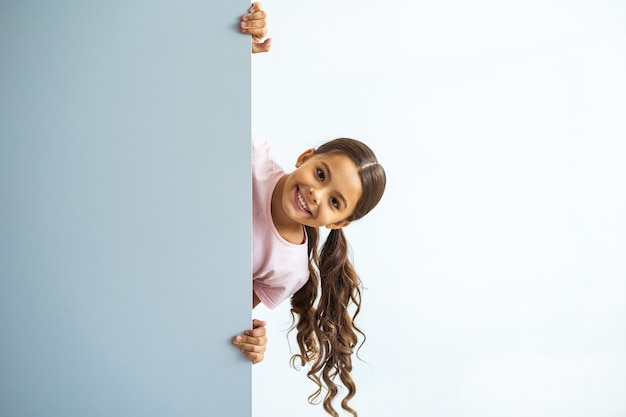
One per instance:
(302, 202)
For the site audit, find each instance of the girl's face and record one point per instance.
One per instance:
(322, 191)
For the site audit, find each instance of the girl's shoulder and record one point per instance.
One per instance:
(259, 143)
(260, 149)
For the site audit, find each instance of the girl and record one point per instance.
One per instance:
(333, 185)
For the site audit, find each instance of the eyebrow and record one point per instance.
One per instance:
(330, 176)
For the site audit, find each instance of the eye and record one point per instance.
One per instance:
(334, 202)
(320, 174)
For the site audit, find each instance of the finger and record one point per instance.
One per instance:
(262, 47)
(250, 344)
(238, 340)
(260, 15)
(258, 33)
(247, 349)
(259, 340)
(256, 333)
(257, 330)
(255, 357)
(253, 24)
(258, 323)
(255, 7)
(252, 348)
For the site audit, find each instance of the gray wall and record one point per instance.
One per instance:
(124, 208)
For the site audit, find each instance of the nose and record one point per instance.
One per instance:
(313, 195)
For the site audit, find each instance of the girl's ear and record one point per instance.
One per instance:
(304, 156)
(338, 225)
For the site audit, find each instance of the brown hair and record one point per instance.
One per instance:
(326, 333)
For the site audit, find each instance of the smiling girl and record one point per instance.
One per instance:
(332, 186)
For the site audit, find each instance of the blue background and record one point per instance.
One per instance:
(124, 208)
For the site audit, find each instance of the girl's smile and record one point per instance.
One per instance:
(300, 202)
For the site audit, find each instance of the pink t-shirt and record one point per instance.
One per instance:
(279, 268)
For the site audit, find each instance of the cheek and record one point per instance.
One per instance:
(350, 214)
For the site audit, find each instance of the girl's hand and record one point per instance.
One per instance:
(253, 342)
(254, 24)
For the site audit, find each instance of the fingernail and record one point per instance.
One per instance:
(238, 339)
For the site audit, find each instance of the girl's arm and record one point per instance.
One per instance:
(255, 300)
(254, 24)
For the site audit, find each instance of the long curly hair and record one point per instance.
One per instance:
(325, 308)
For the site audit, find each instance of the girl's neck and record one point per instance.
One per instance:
(290, 230)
